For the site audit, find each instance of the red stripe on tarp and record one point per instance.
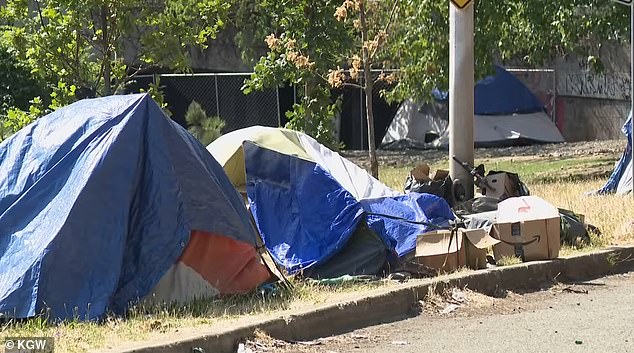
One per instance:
(231, 266)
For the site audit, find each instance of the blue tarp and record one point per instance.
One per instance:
(500, 94)
(613, 181)
(305, 216)
(399, 220)
(97, 201)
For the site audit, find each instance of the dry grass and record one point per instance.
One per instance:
(147, 324)
(508, 261)
(609, 213)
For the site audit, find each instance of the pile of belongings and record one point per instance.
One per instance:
(483, 211)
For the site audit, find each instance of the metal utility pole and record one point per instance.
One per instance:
(461, 84)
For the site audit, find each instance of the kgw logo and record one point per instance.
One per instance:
(30, 344)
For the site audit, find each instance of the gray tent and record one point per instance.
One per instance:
(506, 113)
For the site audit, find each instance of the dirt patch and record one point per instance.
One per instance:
(561, 150)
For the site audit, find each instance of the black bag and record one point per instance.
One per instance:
(440, 188)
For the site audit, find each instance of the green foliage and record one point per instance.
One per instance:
(205, 129)
(82, 43)
(155, 90)
(519, 33)
(304, 42)
(78, 46)
(15, 118)
(321, 125)
(17, 84)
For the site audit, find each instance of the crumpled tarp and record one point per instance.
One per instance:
(305, 215)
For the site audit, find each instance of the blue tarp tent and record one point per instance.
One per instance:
(620, 181)
(98, 201)
(517, 98)
(308, 201)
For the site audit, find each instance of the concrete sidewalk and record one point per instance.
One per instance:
(591, 316)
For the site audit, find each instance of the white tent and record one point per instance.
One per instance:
(417, 127)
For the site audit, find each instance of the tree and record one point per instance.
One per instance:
(303, 41)
(411, 37)
(310, 44)
(95, 47)
(372, 27)
(17, 85)
(205, 129)
(521, 33)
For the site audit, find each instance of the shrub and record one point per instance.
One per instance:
(205, 128)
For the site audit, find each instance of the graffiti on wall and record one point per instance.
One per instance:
(588, 84)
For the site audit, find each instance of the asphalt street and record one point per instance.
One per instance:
(596, 316)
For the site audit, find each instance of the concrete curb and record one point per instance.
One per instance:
(394, 304)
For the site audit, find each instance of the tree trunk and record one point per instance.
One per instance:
(107, 89)
(368, 88)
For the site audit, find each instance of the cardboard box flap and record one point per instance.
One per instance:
(480, 238)
(440, 174)
(437, 243)
(525, 208)
(421, 172)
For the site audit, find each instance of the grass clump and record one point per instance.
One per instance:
(508, 261)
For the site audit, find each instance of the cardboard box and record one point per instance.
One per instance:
(502, 186)
(527, 227)
(421, 173)
(443, 251)
(478, 241)
(440, 250)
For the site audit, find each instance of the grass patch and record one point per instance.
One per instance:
(150, 323)
(531, 170)
(508, 261)
(610, 213)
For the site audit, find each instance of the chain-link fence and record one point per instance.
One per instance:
(220, 94)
